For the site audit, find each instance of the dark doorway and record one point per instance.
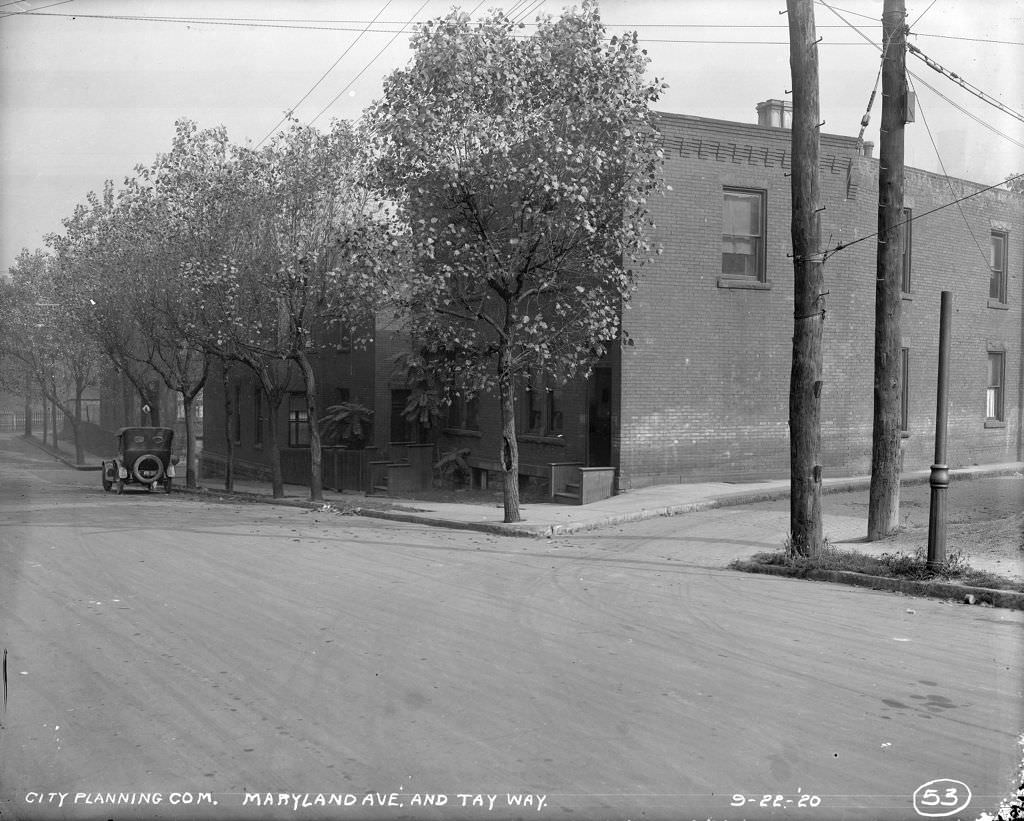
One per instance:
(599, 434)
(402, 430)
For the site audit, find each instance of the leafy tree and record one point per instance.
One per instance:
(315, 239)
(1015, 182)
(51, 346)
(522, 167)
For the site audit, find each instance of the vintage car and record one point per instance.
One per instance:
(143, 458)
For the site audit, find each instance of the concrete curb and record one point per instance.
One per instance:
(929, 589)
(58, 455)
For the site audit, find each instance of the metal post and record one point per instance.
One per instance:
(939, 479)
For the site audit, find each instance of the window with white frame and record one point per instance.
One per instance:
(997, 264)
(743, 230)
(994, 392)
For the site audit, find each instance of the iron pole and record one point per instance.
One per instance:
(939, 479)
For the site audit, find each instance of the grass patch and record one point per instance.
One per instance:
(899, 565)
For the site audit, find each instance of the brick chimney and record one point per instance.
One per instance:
(775, 113)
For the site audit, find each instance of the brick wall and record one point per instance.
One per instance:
(705, 389)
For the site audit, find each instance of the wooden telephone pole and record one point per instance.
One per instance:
(884, 496)
(808, 307)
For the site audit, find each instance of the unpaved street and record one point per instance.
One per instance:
(253, 661)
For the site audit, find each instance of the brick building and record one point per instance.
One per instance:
(703, 392)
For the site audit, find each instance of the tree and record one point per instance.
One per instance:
(310, 267)
(52, 346)
(521, 167)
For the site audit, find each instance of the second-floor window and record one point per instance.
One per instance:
(997, 263)
(908, 246)
(743, 229)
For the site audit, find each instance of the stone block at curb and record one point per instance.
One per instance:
(936, 590)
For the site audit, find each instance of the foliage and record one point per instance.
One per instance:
(453, 468)
(347, 423)
(898, 565)
(426, 401)
(50, 346)
(521, 167)
(1015, 182)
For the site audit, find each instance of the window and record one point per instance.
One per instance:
(743, 233)
(554, 418)
(463, 413)
(904, 389)
(994, 393)
(543, 410)
(997, 262)
(535, 411)
(298, 421)
(257, 405)
(908, 244)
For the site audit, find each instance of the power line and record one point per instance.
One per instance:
(324, 75)
(371, 62)
(966, 113)
(960, 81)
(24, 13)
(970, 39)
(945, 174)
(923, 13)
(959, 107)
(842, 246)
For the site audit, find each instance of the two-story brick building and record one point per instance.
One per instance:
(703, 391)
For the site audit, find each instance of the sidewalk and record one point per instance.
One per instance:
(545, 520)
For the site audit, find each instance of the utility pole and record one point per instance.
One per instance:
(808, 299)
(884, 496)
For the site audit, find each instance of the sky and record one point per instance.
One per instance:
(91, 88)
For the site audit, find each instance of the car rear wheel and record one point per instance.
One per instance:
(148, 469)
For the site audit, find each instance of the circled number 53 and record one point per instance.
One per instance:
(941, 797)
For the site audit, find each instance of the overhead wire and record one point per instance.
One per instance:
(923, 13)
(956, 105)
(945, 174)
(960, 81)
(324, 75)
(373, 59)
(844, 245)
(7, 14)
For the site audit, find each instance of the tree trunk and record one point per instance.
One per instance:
(808, 307)
(884, 494)
(154, 409)
(46, 419)
(28, 405)
(316, 476)
(274, 401)
(190, 442)
(53, 420)
(509, 455)
(77, 422)
(229, 439)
